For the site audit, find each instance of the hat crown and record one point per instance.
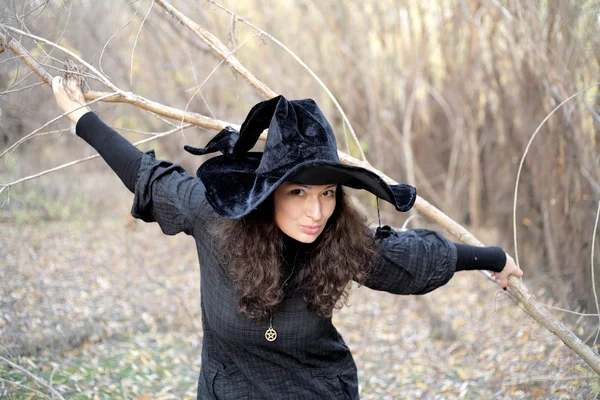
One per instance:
(298, 132)
(300, 147)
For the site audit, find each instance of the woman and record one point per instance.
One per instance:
(278, 243)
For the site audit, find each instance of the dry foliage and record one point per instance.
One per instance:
(444, 94)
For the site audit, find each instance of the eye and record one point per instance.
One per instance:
(329, 193)
(297, 192)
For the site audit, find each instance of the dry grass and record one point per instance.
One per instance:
(108, 307)
(445, 92)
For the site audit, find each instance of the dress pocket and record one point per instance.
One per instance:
(218, 381)
(226, 382)
(339, 379)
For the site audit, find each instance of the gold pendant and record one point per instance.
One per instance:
(271, 335)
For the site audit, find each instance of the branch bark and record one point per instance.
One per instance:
(40, 381)
(527, 301)
(227, 56)
(215, 44)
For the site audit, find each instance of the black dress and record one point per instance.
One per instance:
(309, 359)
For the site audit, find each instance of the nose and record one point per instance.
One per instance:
(313, 208)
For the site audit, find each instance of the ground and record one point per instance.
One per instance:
(102, 306)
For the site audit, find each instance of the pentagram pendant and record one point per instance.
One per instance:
(271, 335)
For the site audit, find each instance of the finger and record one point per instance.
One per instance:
(519, 273)
(72, 82)
(55, 83)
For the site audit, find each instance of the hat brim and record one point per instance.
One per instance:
(234, 190)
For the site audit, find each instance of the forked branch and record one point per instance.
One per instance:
(527, 301)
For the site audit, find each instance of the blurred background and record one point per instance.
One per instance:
(442, 94)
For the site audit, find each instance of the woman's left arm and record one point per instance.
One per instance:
(419, 261)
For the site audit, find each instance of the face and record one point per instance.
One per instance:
(301, 211)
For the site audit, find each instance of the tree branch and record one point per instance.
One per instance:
(307, 68)
(527, 300)
(32, 376)
(70, 164)
(215, 44)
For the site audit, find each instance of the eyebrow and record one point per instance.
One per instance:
(306, 187)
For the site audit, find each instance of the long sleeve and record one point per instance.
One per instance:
(163, 192)
(412, 262)
(119, 154)
(419, 261)
(470, 258)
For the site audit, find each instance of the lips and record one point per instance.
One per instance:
(310, 229)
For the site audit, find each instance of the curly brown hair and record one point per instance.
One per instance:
(253, 248)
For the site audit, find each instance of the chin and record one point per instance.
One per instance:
(307, 238)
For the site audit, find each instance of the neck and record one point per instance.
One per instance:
(293, 244)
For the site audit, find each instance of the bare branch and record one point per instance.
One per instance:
(30, 135)
(48, 79)
(548, 378)
(571, 312)
(310, 71)
(21, 89)
(593, 274)
(24, 387)
(115, 34)
(218, 48)
(198, 87)
(160, 109)
(70, 164)
(40, 381)
(135, 44)
(523, 161)
(527, 301)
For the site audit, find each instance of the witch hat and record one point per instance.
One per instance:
(300, 147)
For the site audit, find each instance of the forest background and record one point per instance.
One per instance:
(442, 94)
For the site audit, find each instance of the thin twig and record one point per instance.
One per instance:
(135, 44)
(527, 300)
(72, 72)
(62, 34)
(117, 128)
(100, 75)
(218, 47)
(32, 376)
(307, 68)
(569, 311)
(24, 387)
(195, 75)
(115, 34)
(548, 378)
(51, 379)
(198, 87)
(21, 89)
(537, 130)
(70, 164)
(594, 277)
(30, 135)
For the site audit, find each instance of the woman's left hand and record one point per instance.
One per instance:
(69, 97)
(510, 268)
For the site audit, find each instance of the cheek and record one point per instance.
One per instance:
(286, 213)
(329, 208)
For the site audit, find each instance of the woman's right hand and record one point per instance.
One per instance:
(69, 97)
(511, 268)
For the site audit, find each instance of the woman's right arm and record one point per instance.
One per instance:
(164, 192)
(119, 154)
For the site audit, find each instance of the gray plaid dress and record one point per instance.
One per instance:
(309, 359)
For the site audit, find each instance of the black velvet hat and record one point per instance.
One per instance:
(300, 147)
